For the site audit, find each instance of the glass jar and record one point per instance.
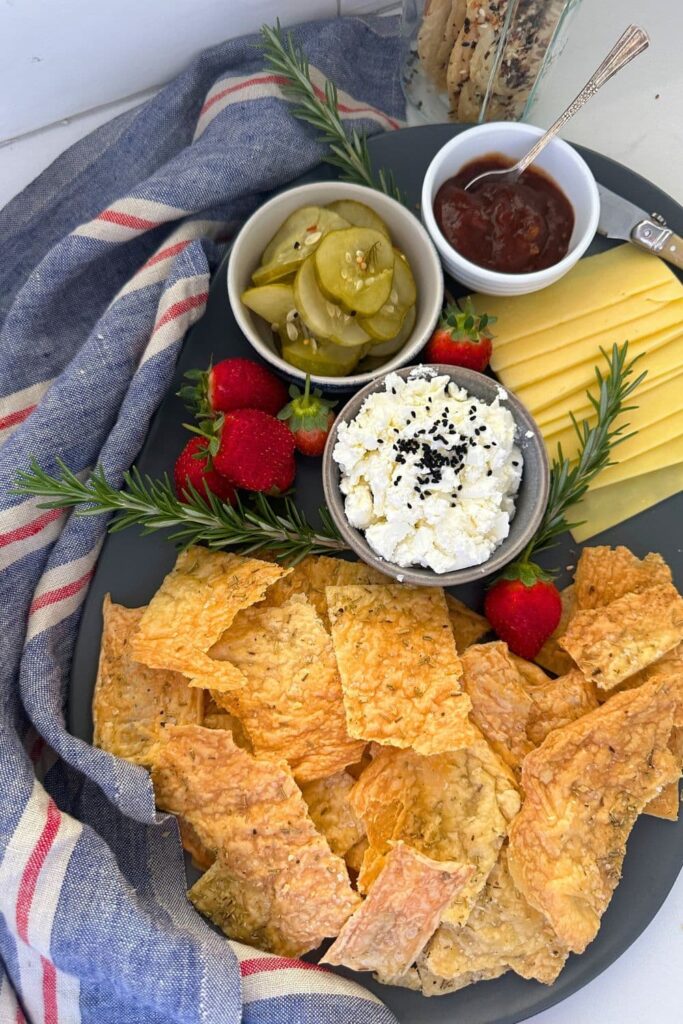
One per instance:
(479, 60)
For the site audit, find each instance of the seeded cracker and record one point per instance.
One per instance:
(274, 884)
(292, 707)
(133, 704)
(611, 643)
(583, 790)
(501, 706)
(401, 913)
(313, 574)
(502, 933)
(194, 605)
(604, 574)
(452, 807)
(331, 811)
(467, 626)
(399, 668)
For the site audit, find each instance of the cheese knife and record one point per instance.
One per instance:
(621, 219)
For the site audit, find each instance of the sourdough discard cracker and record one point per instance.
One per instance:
(291, 707)
(331, 811)
(401, 913)
(667, 803)
(558, 702)
(194, 605)
(604, 574)
(551, 656)
(610, 644)
(501, 706)
(274, 882)
(133, 704)
(502, 933)
(400, 672)
(312, 575)
(468, 627)
(454, 807)
(583, 790)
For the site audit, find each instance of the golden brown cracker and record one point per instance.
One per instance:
(559, 702)
(331, 811)
(291, 707)
(604, 574)
(454, 806)
(133, 704)
(401, 913)
(400, 672)
(196, 602)
(551, 656)
(502, 933)
(275, 883)
(667, 803)
(501, 706)
(468, 627)
(583, 789)
(611, 643)
(313, 574)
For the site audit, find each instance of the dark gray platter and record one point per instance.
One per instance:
(131, 568)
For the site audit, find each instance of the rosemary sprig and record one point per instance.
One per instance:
(152, 505)
(569, 480)
(349, 153)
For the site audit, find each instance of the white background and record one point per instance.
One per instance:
(69, 65)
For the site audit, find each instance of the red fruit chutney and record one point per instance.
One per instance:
(512, 228)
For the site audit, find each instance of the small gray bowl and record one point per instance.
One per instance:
(531, 501)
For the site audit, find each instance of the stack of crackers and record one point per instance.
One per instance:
(471, 48)
(347, 759)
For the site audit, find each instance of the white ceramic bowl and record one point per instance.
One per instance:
(406, 232)
(558, 159)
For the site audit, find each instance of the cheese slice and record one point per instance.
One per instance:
(545, 394)
(634, 316)
(659, 372)
(644, 335)
(595, 283)
(659, 407)
(668, 453)
(604, 508)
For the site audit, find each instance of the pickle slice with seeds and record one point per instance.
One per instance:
(294, 240)
(384, 349)
(359, 215)
(327, 320)
(273, 302)
(320, 357)
(355, 267)
(386, 323)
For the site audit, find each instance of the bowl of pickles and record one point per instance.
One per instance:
(337, 281)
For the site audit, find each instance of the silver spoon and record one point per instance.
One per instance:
(629, 45)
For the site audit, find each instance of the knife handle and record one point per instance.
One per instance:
(660, 240)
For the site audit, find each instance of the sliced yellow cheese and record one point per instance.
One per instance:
(595, 283)
(546, 393)
(659, 371)
(666, 454)
(658, 405)
(651, 437)
(604, 508)
(621, 319)
(645, 334)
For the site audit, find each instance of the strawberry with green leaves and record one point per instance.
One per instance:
(309, 418)
(462, 338)
(524, 607)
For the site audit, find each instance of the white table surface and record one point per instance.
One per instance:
(638, 120)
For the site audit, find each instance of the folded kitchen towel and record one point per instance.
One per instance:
(106, 261)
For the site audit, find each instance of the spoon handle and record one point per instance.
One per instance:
(633, 41)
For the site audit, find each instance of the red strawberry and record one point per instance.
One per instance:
(194, 468)
(462, 338)
(309, 418)
(256, 451)
(524, 608)
(233, 384)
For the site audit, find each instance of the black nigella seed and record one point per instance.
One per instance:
(514, 462)
(380, 440)
(393, 391)
(489, 472)
(297, 245)
(413, 414)
(482, 427)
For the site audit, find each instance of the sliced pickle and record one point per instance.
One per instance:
(355, 268)
(272, 301)
(359, 215)
(384, 349)
(386, 324)
(294, 240)
(319, 357)
(327, 320)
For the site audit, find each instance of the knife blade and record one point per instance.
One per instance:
(621, 219)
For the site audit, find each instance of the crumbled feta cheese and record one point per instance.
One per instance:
(430, 473)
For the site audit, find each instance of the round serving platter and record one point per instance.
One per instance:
(131, 568)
